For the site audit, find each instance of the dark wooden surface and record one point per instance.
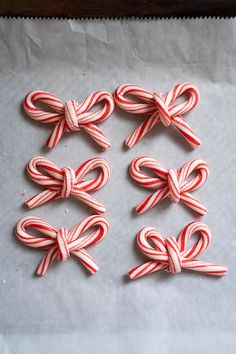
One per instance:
(117, 8)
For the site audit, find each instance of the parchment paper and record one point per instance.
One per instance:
(68, 311)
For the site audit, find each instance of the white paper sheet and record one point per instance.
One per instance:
(67, 310)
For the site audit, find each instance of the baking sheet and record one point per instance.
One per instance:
(67, 310)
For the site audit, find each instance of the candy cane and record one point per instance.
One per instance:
(61, 243)
(71, 116)
(170, 183)
(61, 183)
(172, 255)
(159, 109)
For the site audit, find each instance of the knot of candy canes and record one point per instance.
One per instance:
(69, 180)
(163, 109)
(159, 108)
(61, 183)
(71, 116)
(173, 255)
(174, 184)
(61, 243)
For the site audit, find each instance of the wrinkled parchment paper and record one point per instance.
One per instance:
(68, 311)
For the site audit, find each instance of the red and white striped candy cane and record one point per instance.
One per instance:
(62, 182)
(61, 243)
(71, 116)
(170, 183)
(172, 255)
(159, 109)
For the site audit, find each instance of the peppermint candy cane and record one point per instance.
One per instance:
(71, 116)
(63, 182)
(170, 183)
(61, 243)
(159, 109)
(172, 255)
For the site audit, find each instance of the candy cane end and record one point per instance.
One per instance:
(130, 274)
(49, 144)
(202, 212)
(100, 211)
(195, 146)
(94, 271)
(106, 147)
(129, 143)
(26, 203)
(139, 210)
(39, 272)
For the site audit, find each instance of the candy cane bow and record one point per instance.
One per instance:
(159, 108)
(61, 243)
(173, 255)
(170, 183)
(61, 183)
(71, 116)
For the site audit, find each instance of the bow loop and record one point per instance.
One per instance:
(71, 115)
(175, 184)
(61, 243)
(172, 255)
(63, 182)
(63, 248)
(163, 109)
(159, 109)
